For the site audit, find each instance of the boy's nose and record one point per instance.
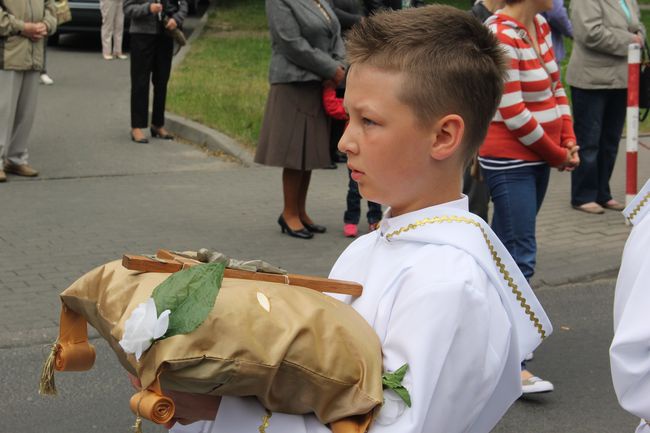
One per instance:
(346, 144)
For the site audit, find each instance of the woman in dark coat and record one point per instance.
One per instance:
(306, 49)
(151, 60)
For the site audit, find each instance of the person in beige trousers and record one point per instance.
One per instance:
(24, 25)
(112, 29)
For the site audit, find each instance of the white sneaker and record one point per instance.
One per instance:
(45, 79)
(528, 357)
(535, 385)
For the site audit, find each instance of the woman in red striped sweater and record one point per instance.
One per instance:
(531, 132)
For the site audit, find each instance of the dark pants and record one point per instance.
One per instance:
(598, 118)
(337, 129)
(151, 60)
(353, 212)
(517, 195)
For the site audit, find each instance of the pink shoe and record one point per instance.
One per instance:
(350, 230)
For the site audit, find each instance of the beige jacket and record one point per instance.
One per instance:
(602, 34)
(18, 53)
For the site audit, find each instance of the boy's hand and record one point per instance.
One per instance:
(155, 8)
(135, 382)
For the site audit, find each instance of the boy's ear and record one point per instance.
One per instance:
(449, 131)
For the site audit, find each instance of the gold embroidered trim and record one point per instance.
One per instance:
(495, 257)
(265, 421)
(637, 209)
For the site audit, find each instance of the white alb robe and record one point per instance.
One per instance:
(435, 295)
(630, 350)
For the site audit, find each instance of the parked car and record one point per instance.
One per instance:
(86, 17)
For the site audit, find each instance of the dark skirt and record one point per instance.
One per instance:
(295, 131)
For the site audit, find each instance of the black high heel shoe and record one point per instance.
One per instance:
(155, 133)
(302, 233)
(139, 140)
(314, 228)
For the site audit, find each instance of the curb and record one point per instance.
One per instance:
(196, 132)
(541, 282)
(207, 137)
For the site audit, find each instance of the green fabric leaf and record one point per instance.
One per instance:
(189, 295)
(393, 380)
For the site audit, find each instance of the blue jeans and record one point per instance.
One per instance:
(598, 116)
(517, 195)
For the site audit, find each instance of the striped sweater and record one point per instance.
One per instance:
(533, 123)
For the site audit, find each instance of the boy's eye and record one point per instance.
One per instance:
(367, 122)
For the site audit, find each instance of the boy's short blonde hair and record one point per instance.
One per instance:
(452, 64)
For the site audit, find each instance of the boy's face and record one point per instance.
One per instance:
(388, 149)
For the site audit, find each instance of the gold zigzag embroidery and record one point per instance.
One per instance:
(265, 421)
(497, 260)
(638, 207)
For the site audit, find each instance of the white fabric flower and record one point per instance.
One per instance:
(143, 327)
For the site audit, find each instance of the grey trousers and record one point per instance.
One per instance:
(112, 26)
(18, 95)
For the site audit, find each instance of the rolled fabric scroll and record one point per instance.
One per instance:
(353, 424)
(152, 406)
(73, 352)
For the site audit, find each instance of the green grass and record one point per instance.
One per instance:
(223, 82)
(244, 15)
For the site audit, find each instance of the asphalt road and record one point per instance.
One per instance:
(100, 196)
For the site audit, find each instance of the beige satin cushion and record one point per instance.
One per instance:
(309, 353)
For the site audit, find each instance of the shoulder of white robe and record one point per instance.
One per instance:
(639, 206)
(514, 288)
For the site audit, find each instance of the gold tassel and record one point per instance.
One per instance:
(137, 427)
(265, 421)
(47, 385)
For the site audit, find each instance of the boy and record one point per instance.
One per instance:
(440, 290)
(629, 351)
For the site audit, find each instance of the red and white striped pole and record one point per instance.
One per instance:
(632, 129)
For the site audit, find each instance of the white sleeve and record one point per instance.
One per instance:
(455, 337)
(630, 350)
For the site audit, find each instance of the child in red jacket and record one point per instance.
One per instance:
(334, 108)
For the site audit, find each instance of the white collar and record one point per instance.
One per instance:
(389, 223)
